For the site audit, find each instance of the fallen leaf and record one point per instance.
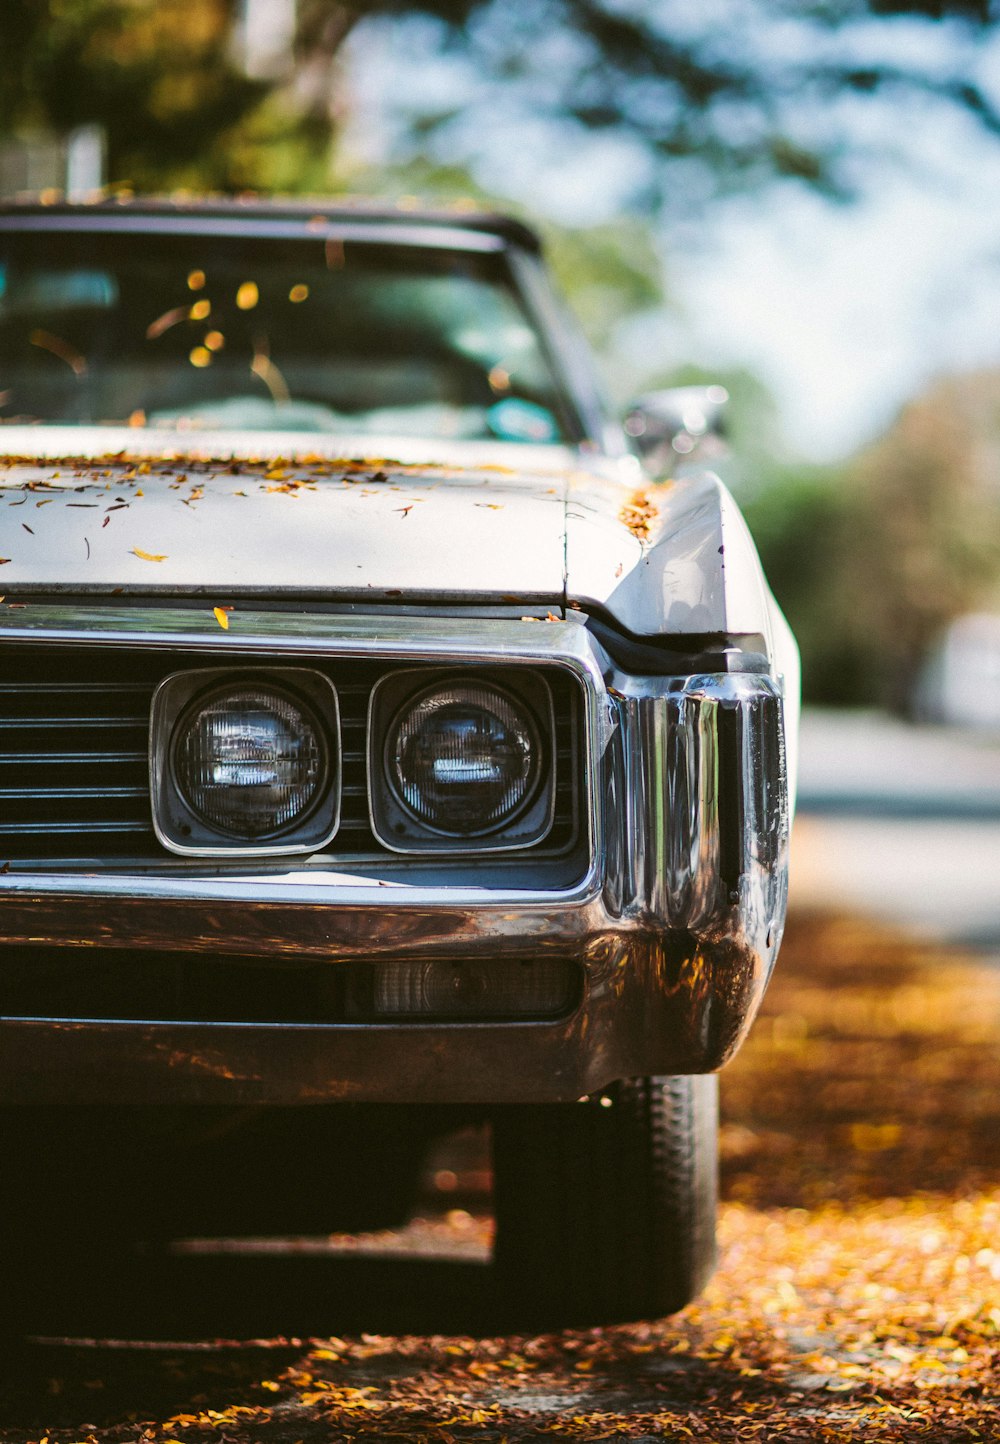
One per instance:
(148, 556)
(638, 514)
(221, 617)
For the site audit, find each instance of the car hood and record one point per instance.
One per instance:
(215, 523)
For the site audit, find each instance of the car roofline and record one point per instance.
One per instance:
(418, 221)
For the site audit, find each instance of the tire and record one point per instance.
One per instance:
(605, 1209)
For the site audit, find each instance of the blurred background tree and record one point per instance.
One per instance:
(926, 548)
(167, 80)
(158, 78)
(871, 558)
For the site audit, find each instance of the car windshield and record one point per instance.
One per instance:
(225, 332)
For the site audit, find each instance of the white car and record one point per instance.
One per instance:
(385, 743)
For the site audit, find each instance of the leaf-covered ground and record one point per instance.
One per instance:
(858, 1295)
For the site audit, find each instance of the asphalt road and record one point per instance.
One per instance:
(902, 824)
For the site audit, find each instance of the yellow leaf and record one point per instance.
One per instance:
(222, 618)
(148, 556)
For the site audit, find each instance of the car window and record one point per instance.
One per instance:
(308, 335)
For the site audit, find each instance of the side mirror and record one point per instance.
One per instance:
(667, 424)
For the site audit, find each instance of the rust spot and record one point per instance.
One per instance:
(638, 514)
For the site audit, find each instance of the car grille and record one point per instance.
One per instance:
(74, 733)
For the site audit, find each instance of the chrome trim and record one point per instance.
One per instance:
(698, 862)
(676, 922)
(163, 716)
(449, 845)
(400, 636)
(433, 236)
(445, 642)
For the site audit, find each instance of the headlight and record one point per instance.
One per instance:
(464, 759)
(461, 762)
(245, 764)
(250, 762)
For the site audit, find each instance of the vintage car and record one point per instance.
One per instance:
(388, 741)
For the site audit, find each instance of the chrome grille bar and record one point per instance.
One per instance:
(73, 755)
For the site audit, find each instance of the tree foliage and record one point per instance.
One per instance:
(158, 77)
(749, 97)
(747, 89)
(926, 544)
(872, 562)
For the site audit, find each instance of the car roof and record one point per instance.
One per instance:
(400, 220)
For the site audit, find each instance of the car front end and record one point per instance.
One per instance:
(374, 729)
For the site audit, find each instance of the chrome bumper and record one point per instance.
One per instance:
(676, 923)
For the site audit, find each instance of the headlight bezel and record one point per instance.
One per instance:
(185, 831)
(395, 826)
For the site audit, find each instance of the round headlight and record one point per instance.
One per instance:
(463, 759)
(250, 760)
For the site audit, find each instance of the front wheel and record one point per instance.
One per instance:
(605, 1209)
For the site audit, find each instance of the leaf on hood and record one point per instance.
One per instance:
(221, 617)
(148, 556)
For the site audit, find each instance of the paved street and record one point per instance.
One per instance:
(868, 762)
(900, 823)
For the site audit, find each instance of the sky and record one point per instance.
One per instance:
(843, 310)
(846, 312)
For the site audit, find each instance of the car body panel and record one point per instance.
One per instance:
(660, 558)
(665, 558)
(333, 527)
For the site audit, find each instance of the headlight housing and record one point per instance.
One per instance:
(461, 763)
(245, 764)
(463, 759)
(250, 761)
